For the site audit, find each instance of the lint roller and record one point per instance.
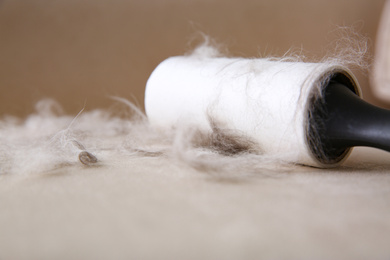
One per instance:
(304, 113)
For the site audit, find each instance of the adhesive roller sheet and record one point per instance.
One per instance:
(265, 100)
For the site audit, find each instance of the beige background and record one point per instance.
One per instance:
(83, 52)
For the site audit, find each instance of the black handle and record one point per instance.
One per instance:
(350, 121)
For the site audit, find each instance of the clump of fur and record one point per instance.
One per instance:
(47, 141)
(225, 141)
(208, 48)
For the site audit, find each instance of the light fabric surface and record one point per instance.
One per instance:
(154, 208)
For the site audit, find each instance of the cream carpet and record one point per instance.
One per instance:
(154, 208)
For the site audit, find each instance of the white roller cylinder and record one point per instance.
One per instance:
(265, 100)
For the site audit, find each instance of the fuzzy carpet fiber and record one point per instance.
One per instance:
(154, 208)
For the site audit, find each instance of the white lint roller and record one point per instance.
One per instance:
(270, 102)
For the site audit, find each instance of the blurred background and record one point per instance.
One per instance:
(81, 52)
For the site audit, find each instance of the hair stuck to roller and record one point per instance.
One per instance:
(49, 140)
